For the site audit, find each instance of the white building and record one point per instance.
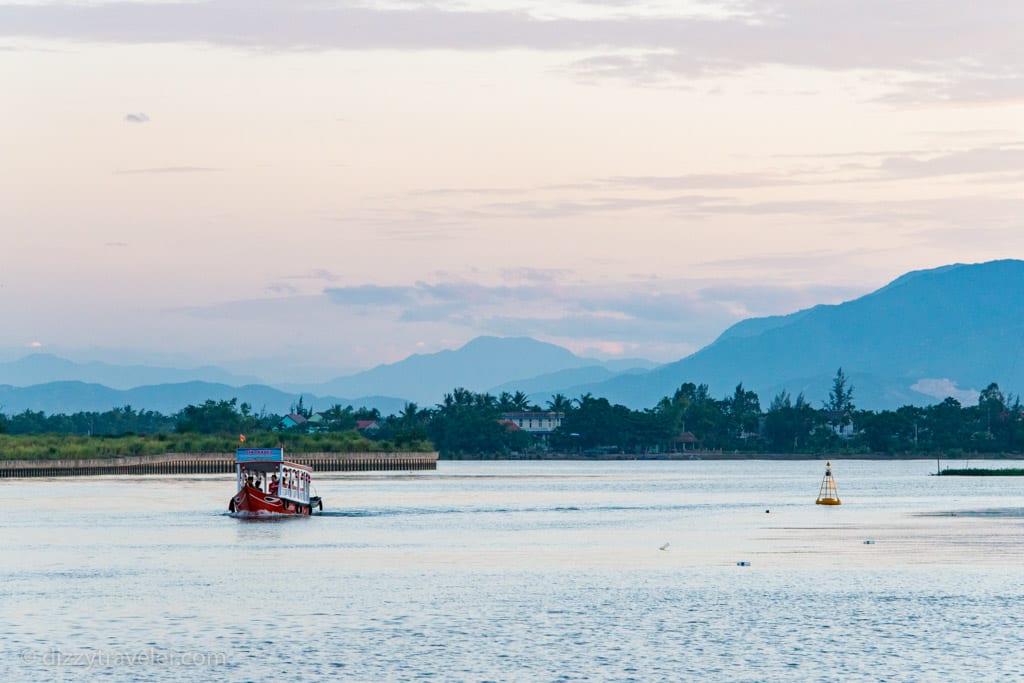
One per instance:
(535, 422)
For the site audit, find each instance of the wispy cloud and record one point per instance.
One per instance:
(963, 162)
(946, 50)
(281, 288)
(940, 388)
(663, 311)
(167, 169)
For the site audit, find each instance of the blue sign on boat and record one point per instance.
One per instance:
(259, 455)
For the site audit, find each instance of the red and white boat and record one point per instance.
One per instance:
(269, 484)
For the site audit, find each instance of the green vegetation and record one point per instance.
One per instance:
(213, 427)
(468, 424)
(53, 446)
(977, 472)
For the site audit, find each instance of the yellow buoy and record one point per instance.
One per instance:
(827, 495)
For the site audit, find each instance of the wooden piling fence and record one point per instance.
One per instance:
(213, 463)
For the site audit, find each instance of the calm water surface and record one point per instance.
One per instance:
(519, 571)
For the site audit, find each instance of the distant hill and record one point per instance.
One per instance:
(72, 397)
(52, 384)
(481, 365)
(43, 368)
(541, 388)
(927, 334)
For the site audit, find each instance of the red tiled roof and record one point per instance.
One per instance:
(510, 426)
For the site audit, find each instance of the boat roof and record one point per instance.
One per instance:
(259, 455)
(261, 458)
(272, 466)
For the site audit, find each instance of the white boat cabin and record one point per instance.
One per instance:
(267, 470)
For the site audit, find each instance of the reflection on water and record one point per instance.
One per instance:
(520, 571)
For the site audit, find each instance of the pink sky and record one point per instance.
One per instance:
(330, 186)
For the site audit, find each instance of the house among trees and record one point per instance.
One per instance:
(537, 423)
(367, 426)
(841, 423)
(291, 420)
(509, 425)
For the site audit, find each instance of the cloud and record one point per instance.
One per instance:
(653, 318)
(562, 208)
(788, 262)
(933, 50)
(916, 164)
(700, 181)
(963, 162)
(968, 88)
(135, 118)
(371, 295)
(944, 388)
(167, 169)
(281, 288)
(968, 233)
(662, 311)
(540, 275)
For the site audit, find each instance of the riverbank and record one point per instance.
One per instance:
(982, 472)
(719, 455)
(212, 463)
(79, 447)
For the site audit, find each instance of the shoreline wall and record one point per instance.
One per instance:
(719, 455)
(212, 463)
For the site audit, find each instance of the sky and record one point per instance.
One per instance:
(302, 188)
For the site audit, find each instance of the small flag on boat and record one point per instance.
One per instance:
(241, 438)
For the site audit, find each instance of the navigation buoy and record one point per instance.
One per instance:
(827, 495)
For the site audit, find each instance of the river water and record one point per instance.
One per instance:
(521, 571)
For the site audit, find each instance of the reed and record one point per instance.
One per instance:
(979, 472)
(75, 447)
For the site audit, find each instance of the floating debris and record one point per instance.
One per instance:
(742, 563)
(870, 541)
(827, 495)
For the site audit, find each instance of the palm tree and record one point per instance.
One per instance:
(409, 414)
(560, 403)
(584, 400)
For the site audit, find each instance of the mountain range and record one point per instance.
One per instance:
(929, 334)
(74, 396)
(42, 368)
(492, 364)
(948, 331)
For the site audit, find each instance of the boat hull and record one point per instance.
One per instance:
(251, 501)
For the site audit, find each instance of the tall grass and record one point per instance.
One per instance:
(979, 472)
(63, 446)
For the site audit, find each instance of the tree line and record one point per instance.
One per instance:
(467, 423)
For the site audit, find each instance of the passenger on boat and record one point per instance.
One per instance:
(272, 489)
